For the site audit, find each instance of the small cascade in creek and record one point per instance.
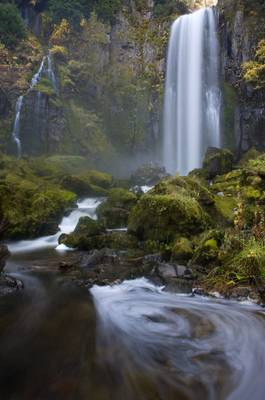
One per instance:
(46, 69)
(192, 103)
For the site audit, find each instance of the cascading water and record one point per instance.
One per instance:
(192, 94)
(46, 69)
(16, 127)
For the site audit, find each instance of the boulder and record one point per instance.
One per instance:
(162, 217)
(148, 174)
(114, 212)
(217, 162)
(4, 254)
(85, 235)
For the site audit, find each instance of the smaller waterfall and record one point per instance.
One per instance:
(46, 69)
(16, 127)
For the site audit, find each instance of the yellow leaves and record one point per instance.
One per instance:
(61, 32)
(254, 70)
(59, 51)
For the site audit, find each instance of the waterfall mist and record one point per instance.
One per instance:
(192, 94)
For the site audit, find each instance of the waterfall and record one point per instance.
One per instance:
(192, 95)
(16, 127)
(46, 69)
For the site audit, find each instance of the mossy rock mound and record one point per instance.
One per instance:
(85, 236)
(91, 183)
(162, 217)
(188, 185)
(90, 234)
(217, 162)
(207, 249)
(30, 208)
(182, 250)
(114, 212)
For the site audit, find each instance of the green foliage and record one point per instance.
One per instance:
(242, 262)
(107, 9)
(12, 28)
(165, 8)
(45, 86)
(75, 10)
(254, 71)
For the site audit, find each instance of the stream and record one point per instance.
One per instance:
(129, 341)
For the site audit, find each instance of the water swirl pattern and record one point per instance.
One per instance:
(167, 346)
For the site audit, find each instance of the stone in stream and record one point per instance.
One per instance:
(4, 254)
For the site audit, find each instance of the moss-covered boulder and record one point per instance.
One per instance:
(31, 196)
(85, 236)
(207, 249)
(31, 208)
(90, 234)
(114, 212)
(91, 183)
(182, 250)
(217, 162)
(161, 218)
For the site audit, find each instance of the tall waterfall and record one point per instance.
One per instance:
(192, 94)
(45, 69)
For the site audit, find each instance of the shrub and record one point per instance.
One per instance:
(12, 28)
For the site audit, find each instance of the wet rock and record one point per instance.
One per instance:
(96, 257)
(4, 254)
(169, 270)
(65, 266)
(114, 212)
(240, 293)
(9, 285)
(149, 175)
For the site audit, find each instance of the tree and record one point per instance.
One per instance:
(12, 28)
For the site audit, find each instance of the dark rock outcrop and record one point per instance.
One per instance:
(241, 29)
(4, 254)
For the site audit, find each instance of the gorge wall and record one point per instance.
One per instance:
(242, 26)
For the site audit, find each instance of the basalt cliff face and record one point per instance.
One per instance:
(242, 27)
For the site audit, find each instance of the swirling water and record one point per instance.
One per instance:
(166, 346)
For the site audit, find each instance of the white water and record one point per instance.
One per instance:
(86, 208)
(192, 94)
(202, 348)
(46, 68)
(16, 127)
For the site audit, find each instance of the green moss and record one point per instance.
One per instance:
(182, 249)
(230, 103)
(162, 217)
(45, 86)
(115, 210)
(225, 206)
(207, 250)
(90, 183)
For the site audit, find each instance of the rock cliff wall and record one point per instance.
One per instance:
(242, 26)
